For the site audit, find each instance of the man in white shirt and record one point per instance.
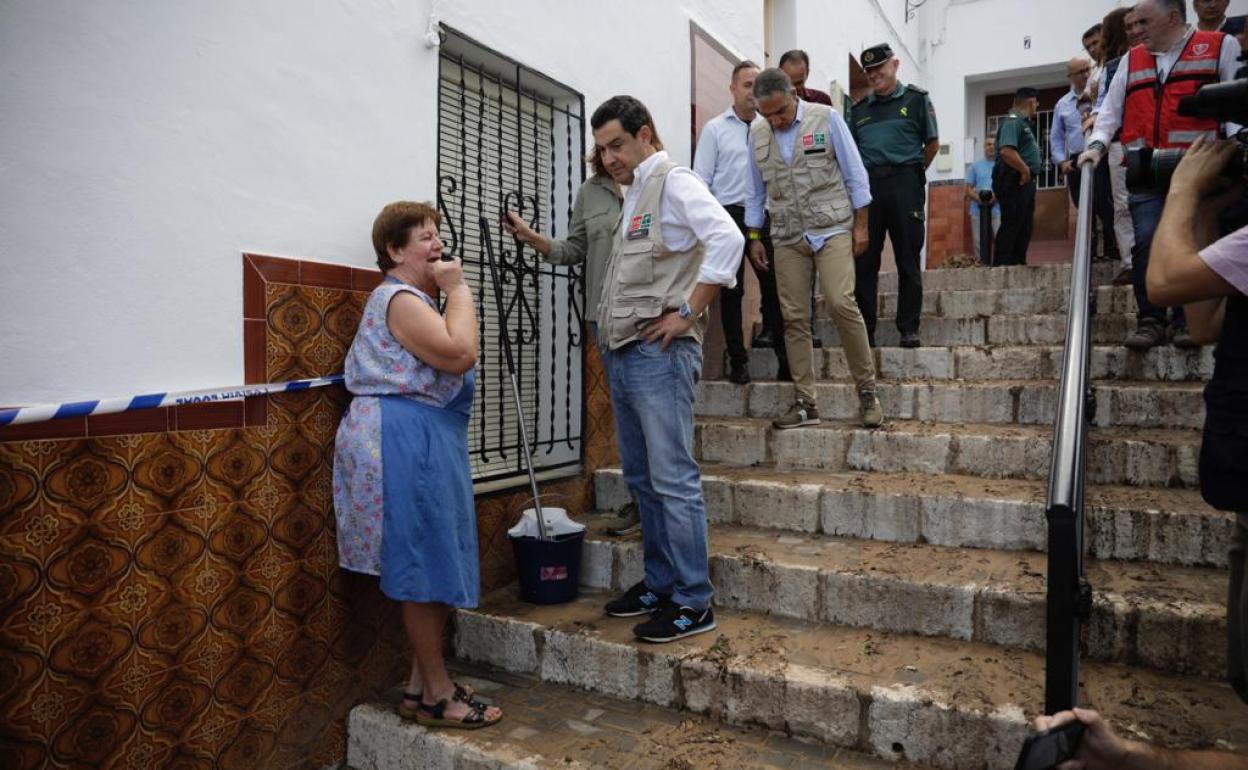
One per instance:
(675, 246)
(1154, 122)
(723, 162)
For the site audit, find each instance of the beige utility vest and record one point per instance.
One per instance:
(644, 278)
(809, 194)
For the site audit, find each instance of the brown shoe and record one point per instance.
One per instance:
(1125, 277)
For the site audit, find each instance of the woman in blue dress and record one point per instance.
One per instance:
(402, 482)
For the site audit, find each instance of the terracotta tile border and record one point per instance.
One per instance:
(259, 270)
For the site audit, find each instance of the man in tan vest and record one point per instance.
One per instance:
(807, 173)
(674, 248)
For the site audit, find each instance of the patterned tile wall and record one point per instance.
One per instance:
(169, 589)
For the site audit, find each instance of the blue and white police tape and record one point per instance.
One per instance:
(42, 412)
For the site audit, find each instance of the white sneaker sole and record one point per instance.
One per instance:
(685, 635)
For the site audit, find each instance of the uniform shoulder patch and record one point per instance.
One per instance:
(916, 89)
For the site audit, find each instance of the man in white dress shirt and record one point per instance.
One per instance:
(723, 162)
(675, 246)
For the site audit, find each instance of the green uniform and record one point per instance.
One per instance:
(892, 130)
(1018, 201)
(1015, 131)
(891, 133)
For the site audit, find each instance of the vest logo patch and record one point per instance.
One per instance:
(1200, 49)
(638, 227)
(814, 142)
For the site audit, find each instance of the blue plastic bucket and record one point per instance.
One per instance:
(550, 570)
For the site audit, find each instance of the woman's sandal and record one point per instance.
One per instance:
(475, 719)
(409, 712)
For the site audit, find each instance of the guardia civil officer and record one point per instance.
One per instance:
(895, 129)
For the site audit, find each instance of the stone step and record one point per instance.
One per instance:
(1162, 526)
(556, 726)
(951, 303)
(1024, 402)
(1018, 277)
(952, 704)
(1142, 457)
(1163, 617)
(995, 330)
(1029, 362)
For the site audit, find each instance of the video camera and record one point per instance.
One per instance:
(1150, 170)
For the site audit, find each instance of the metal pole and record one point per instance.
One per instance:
(488, 243)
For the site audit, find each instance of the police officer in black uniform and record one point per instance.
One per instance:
(895, 128)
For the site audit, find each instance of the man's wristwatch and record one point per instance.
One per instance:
(755, 235)
(1098, 145)
(685, 311)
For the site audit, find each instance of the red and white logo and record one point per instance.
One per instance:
(808, 140)
(554, 573)
(1200, 49)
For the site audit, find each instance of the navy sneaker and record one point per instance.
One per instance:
(638, 600)
(673, 622)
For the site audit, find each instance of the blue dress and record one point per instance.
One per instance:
(402, 480)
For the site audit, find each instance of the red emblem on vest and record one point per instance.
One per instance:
(1200, 49)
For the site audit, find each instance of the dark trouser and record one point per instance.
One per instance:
(1102, 200)
(897, 204)
(730, 299)
(1145, 216)
(1237, 611)
(1018, 214)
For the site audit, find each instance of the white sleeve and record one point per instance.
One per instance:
(1228, 65)
(691, 205)
(1109, 119)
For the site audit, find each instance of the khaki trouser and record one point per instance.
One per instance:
(835, 265)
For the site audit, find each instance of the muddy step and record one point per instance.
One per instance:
(998, 302)
(557, 726)
(1029, 362)
(997, 330)
(1017, 277)
(1163, 617)
(1024, 402)
(952, 704)
(1144, 457)
(1163, 526)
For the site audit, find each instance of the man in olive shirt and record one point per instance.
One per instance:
(1014, 178)
(895, 130)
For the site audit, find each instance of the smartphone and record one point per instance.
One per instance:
(1046, 750)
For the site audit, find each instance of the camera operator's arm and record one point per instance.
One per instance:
(1176, 272)
(1101, 749)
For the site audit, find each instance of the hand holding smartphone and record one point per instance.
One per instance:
(1048, 749)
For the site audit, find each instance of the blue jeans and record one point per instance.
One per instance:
(1145, 216)
(652, 392)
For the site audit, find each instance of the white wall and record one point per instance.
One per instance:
(144, 146)
(832, 32)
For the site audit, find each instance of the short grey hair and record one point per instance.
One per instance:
(772, 81)
(1166, 6)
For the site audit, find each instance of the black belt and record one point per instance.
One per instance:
(884, 172)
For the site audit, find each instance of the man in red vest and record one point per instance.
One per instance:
(1174, 61)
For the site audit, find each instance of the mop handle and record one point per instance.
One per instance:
(511, 371)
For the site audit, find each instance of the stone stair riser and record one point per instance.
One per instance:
(794, 698)
(1183, 639)
(997, 330)
(958, 402)
(1192, 538)
(998, 302)
(1110, 461)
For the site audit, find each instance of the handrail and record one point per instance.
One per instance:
(1069, 596)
